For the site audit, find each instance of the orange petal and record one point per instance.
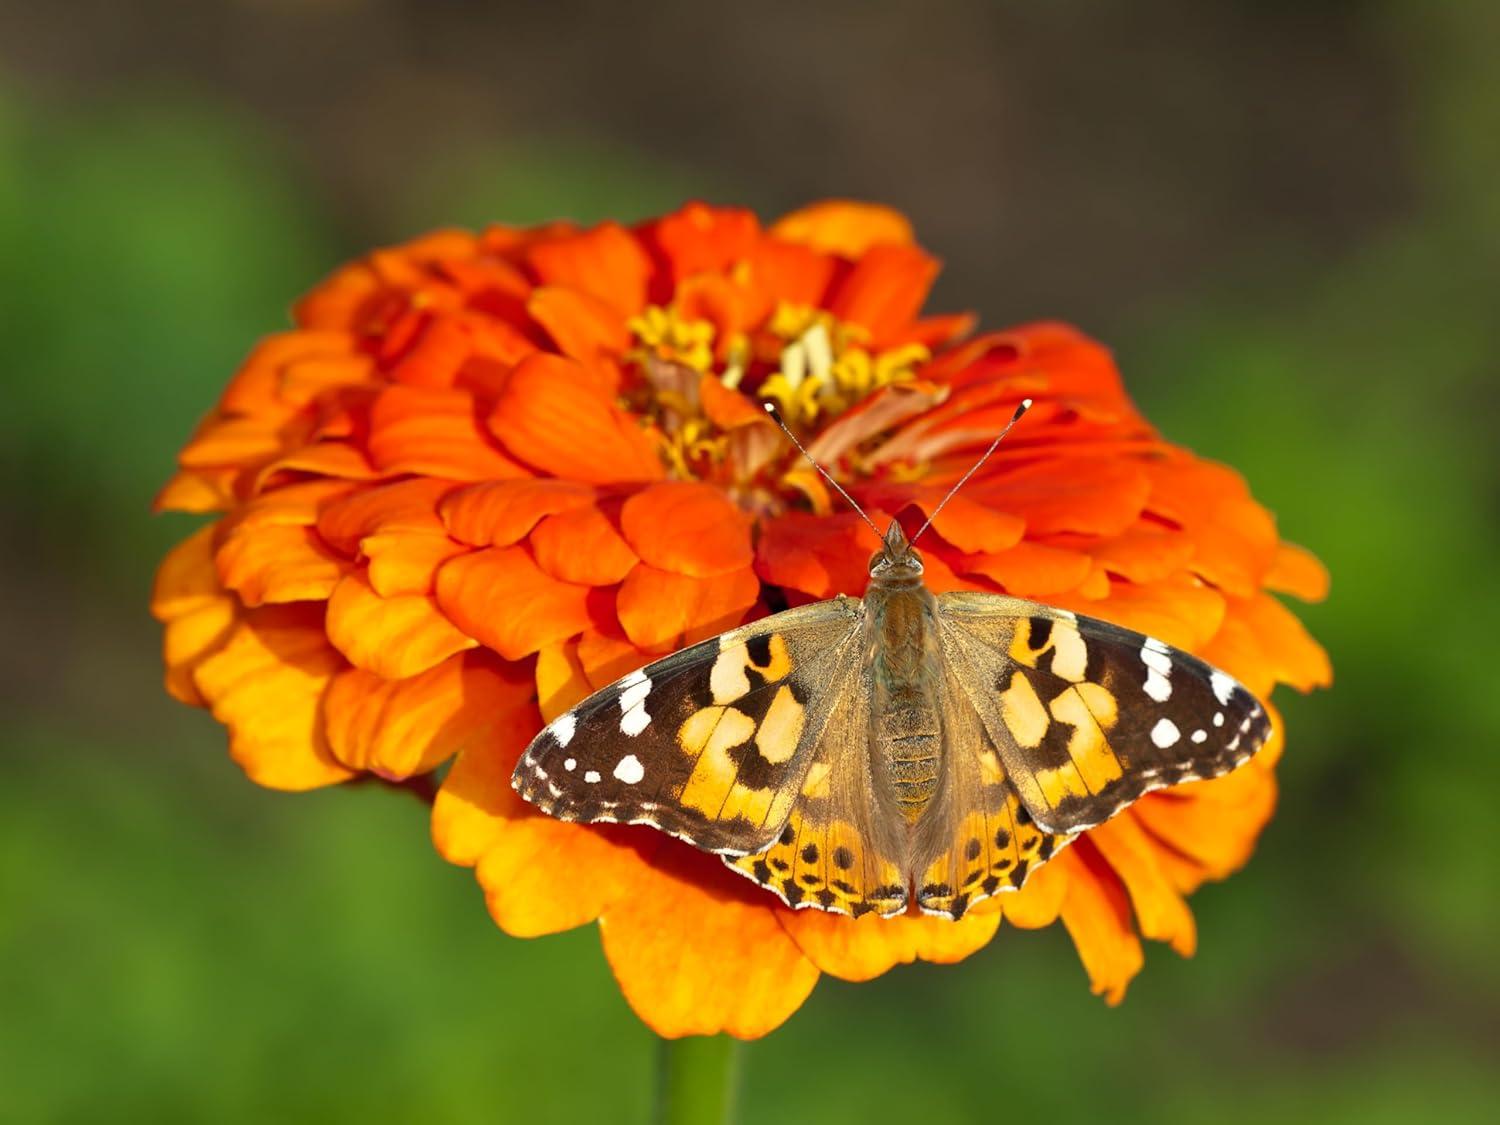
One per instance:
(502, 513)
(560, 681)
(582, 546)
(586, 328)
(697, 953)
(1144, 553)
(698, 238)
(1297, 658)
(187, 579)
(885, 290)
(392, 637)
(606, 262)
(221, 440)
(406, 563)
(261, 379)
(503, 599)
(472, 807)
(554, 416)
(688, 528)
(397, 728)
(542, 876)
(661, 610)
(845, 227)
(1215, 822)
(189, 639)
(821, 556)
(1135, 857)
(1038, 902)
(862, 948)
(787, 271)
(1094, 496)
(1097, 914)
(965, 524)
(278, 563)
(1181, 611)
(1297, 571)
(435, 432)
(605, 657)
(202, 490)
(266, 685)
(406, 506)
(1030, 570)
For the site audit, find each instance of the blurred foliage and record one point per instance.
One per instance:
(178, 945)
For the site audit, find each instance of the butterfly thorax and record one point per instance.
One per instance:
(905, 661)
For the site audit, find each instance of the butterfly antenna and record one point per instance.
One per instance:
(776, 417)
(1014, 418)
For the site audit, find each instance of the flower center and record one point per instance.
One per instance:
(812, 365)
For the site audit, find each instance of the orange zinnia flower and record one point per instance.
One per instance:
(488, 474)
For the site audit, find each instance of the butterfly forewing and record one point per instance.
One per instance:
(1088, 716)
(711, 744)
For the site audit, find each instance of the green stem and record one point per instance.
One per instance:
(697, 1081)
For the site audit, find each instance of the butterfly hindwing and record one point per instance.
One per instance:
(710, 744)
(839, 850)
(978, 840)
(1088, 716)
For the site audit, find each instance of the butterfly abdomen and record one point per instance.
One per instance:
(907, 732)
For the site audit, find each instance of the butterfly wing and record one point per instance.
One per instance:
(839, 849)
(1087, 716)
(712, 744)
(977, 839)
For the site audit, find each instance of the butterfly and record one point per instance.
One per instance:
(901, 749)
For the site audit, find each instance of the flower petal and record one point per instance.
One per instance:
(504, 512)
(821, 556)
(553, 415)
(1096, 912)
(606, 262)
(1030, 570)
(1094, 496)
(392, 637)
(660, 609)
(266, 685)
(1039, 901)
(697, 950)
(406, 562)
(588, 329)
(500, 597)
(397, 728)
(187, 579)
(582, 546)
(406, 506)
(845, 227)
(278, 563)
(1215, 822)
(435, 432)
(863, 948)
(698, 238)
(885, 290)
(1160, 910)
(688, 528)
(1297, 571)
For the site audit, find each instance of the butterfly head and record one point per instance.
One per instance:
(896, 561)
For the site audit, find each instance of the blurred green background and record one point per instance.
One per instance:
(1283, 216)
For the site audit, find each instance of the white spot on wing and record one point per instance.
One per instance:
(1219, 719)
(563, 727)
(630, 769)
(592, 777)
(634, 689)
(571, 764)
(1200, 736)
(1223, 685)
(1154, 655)
(1165, 733)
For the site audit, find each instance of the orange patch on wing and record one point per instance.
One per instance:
(697, 950)
(500, 597)
(687, 527)
(660, 610)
